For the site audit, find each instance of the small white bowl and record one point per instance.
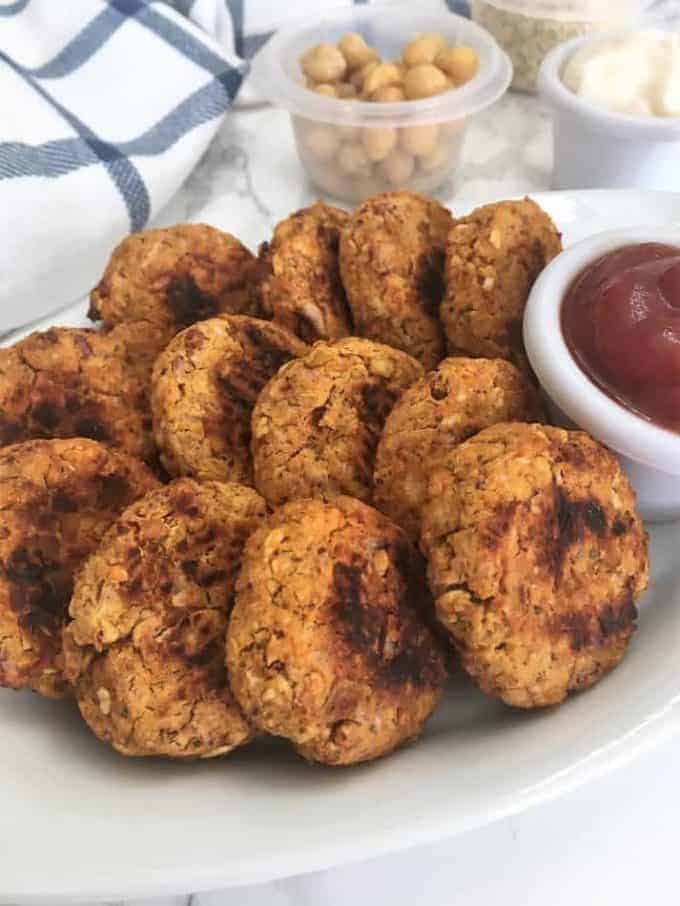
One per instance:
(598, 149)
(649, 454)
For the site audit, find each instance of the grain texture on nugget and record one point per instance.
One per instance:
(57, 498)
(145, 648)
(327, 645)
(173, 277)
(205, 384)
(536, 560)
(433, 416)
(316, 424)
(299, 285)
(493, 257)
(72, 382)
(392, 262)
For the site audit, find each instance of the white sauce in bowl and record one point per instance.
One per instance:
(638, 73)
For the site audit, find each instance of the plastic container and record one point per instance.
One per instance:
(326, 129)
(529, 29)
(597, 149)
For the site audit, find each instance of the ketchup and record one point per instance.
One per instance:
(621, 322)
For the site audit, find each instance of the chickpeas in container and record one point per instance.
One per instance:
(529, 29)
(380, 96)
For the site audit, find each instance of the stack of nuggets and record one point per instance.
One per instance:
(341, 500)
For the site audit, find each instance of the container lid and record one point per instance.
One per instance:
(277, 76)
(615, 11)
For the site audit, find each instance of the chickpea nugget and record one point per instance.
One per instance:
(57, 498)
(316, 424)
(493, 257)
(173, 277)
(145, 650)
(433, 416)
(70, 382)
(391, 262)
(204, 386)
(300, 284)
(536, 560)
(327, 645)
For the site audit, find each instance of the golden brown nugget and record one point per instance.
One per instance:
(204, 388)
(327, 645)
(317, 422)
(392, 262)
(435, 414)
(173, 277)
(145, 649)
(57, 498)
(536, 560)
(72, 382)
(493, 257)
(299, 285)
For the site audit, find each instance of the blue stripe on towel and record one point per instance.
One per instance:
(172, 34)
(56, 158)
(123, 172)
(14, 8)
(235, 8)
(82, 46)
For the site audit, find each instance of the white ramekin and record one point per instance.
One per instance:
(596, 149)
(649, 453)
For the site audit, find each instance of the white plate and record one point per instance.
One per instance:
(80, 823)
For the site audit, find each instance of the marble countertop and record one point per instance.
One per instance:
(254, 166)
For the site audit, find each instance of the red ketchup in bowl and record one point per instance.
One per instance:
(621, 322)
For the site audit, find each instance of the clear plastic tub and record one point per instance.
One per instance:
(327, 129)
(529, 29)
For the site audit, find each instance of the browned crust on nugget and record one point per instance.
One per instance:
(299, 283)
(72, 382)
(173, 277)
(205, 385)
(493, 257)
(145, 650)
(316, 424)
(392, 262)
(536, 560)
(327, 645)
(435, 414)
(57, 498)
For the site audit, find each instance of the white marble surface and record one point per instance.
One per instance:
(253, 163)
(610, 842)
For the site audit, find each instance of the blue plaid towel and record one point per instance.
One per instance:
(106, 106)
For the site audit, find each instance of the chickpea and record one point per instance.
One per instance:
(321, 141)
(345, 90)
(440, 156)
(423, 49)
(357, 77)
(329, 91)
(419, 140)
(379, 141)
(423, 81)
(324, 63)
(356, 51)
(389, 94)
(453, 129)
(397, 167)
(348, 133)
(382, 75)
(460, 63)
(352, 159)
